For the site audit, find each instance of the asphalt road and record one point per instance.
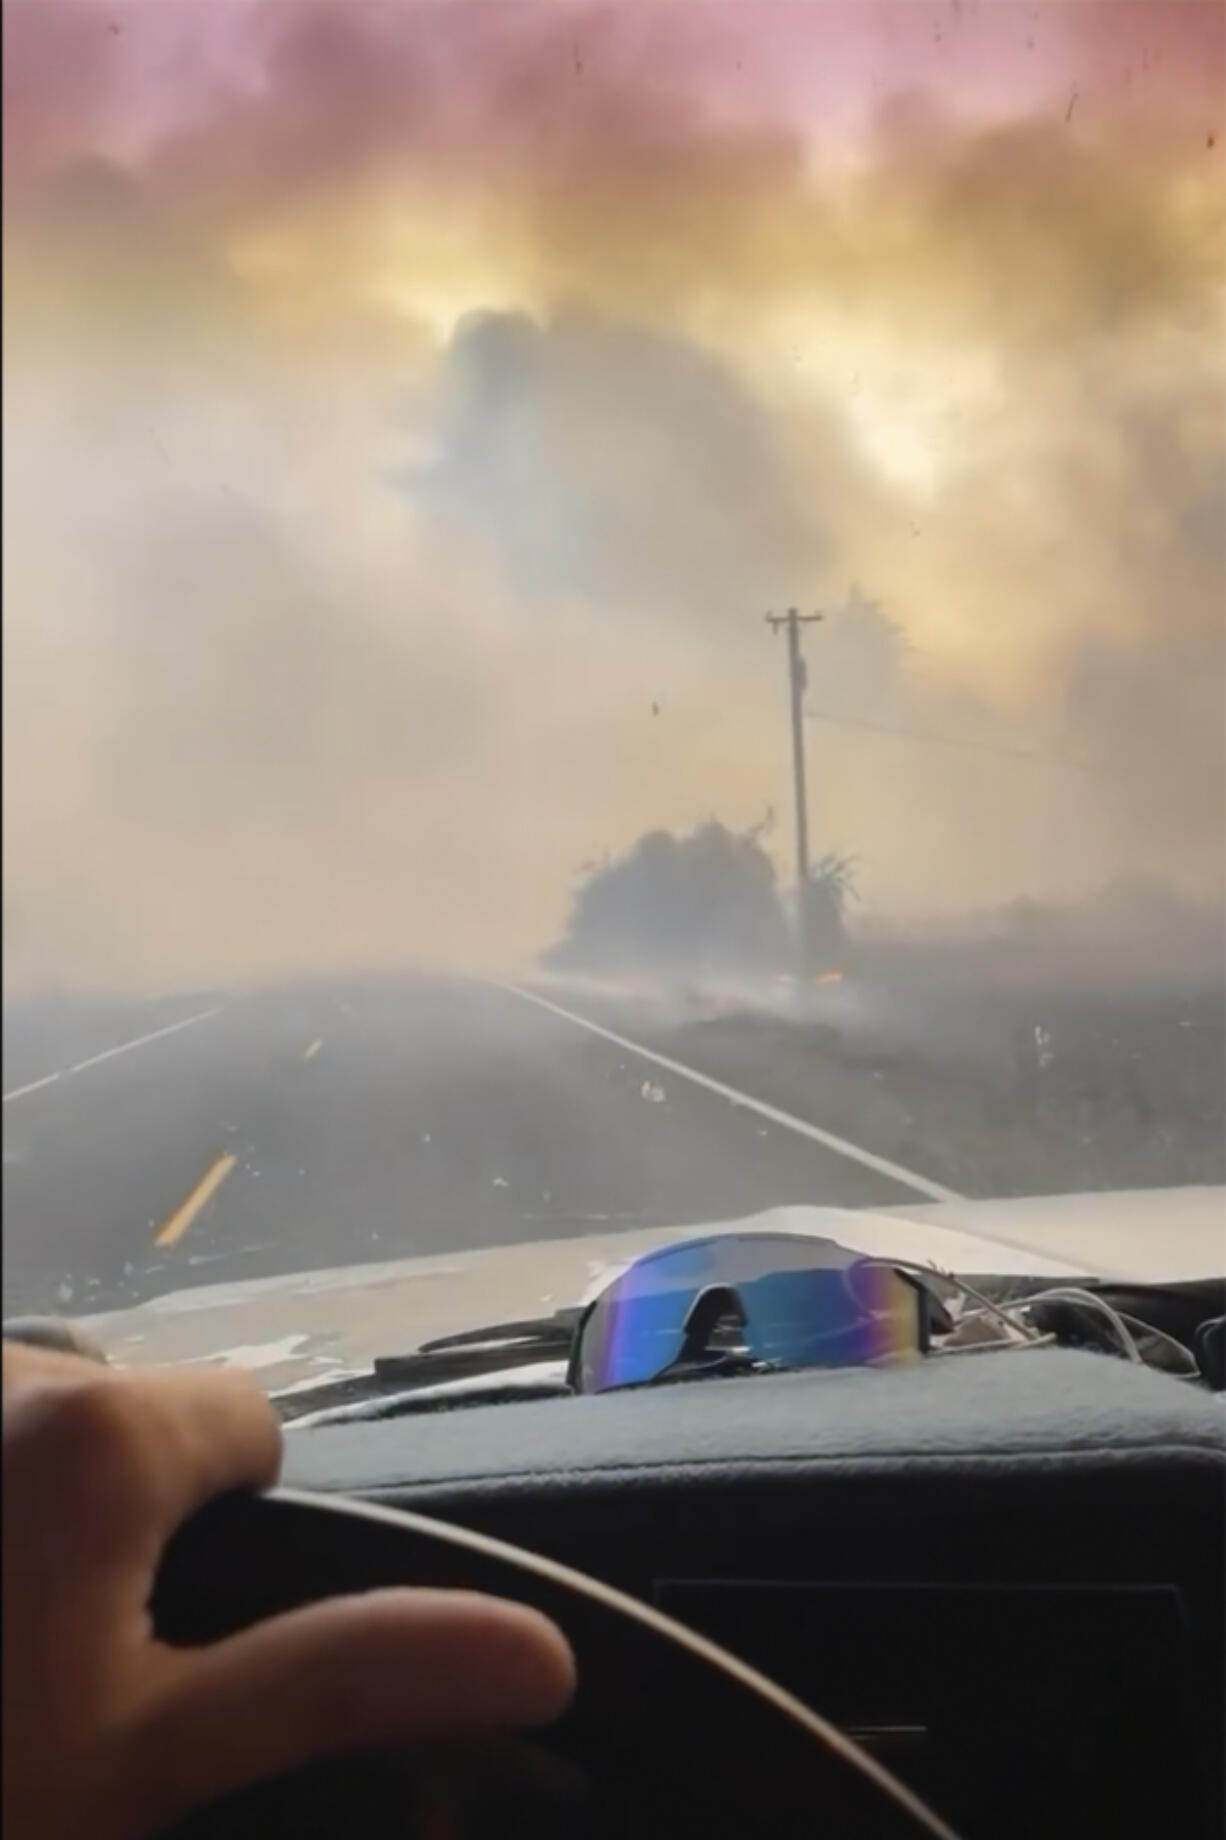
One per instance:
(152, 1146)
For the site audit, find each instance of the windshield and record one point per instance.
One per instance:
(612, 623)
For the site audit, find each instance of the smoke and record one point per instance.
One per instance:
(620, 469)
(411, 411)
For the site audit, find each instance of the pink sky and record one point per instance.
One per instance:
(980, 377)
(292, 91)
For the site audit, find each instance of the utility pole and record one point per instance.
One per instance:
(797, 684)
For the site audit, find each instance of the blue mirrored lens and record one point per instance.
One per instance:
(807, 1302)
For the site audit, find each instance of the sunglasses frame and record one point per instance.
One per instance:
(924, 1299)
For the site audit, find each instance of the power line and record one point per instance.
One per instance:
(952, 741)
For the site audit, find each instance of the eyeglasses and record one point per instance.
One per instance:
(782, 1298)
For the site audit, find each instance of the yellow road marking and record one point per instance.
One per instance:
(312, 1051)
(173, 1228)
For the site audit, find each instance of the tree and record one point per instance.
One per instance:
(863, 656)
(706, 900)
(831, 887)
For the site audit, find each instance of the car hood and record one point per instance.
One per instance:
(303, 1328)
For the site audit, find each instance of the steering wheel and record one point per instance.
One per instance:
(668, 1734)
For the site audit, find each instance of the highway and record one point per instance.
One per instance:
(152, 1146)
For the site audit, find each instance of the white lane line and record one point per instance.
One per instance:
(801, 1126)
(19, 1092)
(109, 1054)
(126, 1047)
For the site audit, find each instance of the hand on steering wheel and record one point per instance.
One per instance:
(112, 1733)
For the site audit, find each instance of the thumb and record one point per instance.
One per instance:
(390, 1666)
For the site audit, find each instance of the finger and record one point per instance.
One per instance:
(24, 1362)
(58, 1333)
(206, 1435)
(114, 1462)
(391, 1666)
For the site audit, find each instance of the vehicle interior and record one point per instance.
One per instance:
(613, 631)
(1000, 1578)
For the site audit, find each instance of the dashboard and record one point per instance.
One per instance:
(1003, 1574)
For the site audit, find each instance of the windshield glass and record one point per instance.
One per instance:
(613, 622)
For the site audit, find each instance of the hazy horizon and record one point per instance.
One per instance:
(411, 412)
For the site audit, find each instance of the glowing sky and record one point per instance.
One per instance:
(403, 398)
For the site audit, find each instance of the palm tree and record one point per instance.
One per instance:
(832, 885)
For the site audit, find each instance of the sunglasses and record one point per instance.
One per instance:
(781, 1299)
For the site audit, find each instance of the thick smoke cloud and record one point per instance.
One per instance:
(403, 403)
(617, 468)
